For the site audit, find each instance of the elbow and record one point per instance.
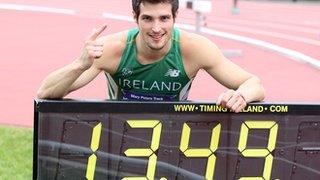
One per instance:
(43, 94)
(263, 93)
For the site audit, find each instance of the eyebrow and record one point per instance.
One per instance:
(145, 15)
(164, 15)
(159, 16)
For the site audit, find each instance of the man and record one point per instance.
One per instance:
(153, 62)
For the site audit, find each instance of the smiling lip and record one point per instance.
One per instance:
(156, 37)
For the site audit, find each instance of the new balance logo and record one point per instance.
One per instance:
(172, 73)
(126, 72)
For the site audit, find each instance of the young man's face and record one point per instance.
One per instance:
(155, 23)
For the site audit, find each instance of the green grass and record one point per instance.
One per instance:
(16, 145)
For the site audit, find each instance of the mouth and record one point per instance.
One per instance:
(156, 37)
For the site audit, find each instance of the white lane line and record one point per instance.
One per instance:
(281, 26)
(117, 17)
(295, 55)
(20, 7)
(269, 33)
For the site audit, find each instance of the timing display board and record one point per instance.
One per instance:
(175, 141)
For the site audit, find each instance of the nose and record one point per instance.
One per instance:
(156, 27)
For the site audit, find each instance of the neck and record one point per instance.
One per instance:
(146, 55)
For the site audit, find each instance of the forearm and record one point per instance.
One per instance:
(252, 90)
(58, 83)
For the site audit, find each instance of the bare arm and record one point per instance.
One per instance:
(65, 80)
(77, 74)
(235, 78)
(243, 86)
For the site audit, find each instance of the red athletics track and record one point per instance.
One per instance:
(36, 43)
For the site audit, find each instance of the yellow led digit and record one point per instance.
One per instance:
(184, 147)
(95, 141)
(242, 146)
(146, 152)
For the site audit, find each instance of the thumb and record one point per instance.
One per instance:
(219, 99)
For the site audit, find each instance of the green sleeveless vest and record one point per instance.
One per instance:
(164, 80)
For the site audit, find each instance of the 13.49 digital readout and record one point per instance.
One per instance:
(177, 146)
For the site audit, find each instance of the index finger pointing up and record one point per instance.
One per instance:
(96, 32)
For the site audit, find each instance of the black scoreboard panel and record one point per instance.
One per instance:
(117, 140)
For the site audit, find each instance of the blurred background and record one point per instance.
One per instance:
(278, 40)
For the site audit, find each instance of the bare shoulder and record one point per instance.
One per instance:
(114, 45)
(198, 51)
(191, 40)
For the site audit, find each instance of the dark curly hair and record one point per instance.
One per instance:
(136, 5)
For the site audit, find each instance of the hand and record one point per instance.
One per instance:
(93, 48)
(232, 100)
